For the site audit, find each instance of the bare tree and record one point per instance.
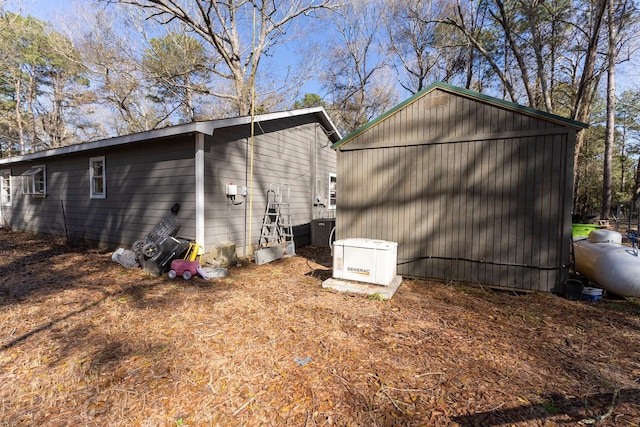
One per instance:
(63, 84)
(239, 34)
(546, 52)
(422, 49)
(112, 49)
(357, 76)
(463, 18)
(520, 40)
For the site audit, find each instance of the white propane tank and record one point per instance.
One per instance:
(603, 236)
(603, 259)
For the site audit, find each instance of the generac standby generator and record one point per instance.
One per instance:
(365, 260)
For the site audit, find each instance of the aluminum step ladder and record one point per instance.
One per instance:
(277, 227)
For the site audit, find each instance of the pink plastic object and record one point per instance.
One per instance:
(185, 269)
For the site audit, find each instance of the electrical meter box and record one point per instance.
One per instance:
(365, 260)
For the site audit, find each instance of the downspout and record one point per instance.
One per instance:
(199, 166)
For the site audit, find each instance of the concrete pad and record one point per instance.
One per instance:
(363, 288)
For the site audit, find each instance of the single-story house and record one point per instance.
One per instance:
(473, 188)
(115, 191)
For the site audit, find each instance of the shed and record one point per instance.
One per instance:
(473, 188)
(114, 191)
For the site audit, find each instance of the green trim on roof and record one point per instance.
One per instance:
(469, 94)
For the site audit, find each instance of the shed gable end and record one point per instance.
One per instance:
(440, 116)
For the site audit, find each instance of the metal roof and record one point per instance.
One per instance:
(468, 94)
(206, 127)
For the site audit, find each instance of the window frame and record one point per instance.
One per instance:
(31, 186)
(6, 190)
(332, 200)
(93, 194)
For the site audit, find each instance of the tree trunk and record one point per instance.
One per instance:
(610, 127)
(18, 111)
(636, 188)
(588, 82)
(31, 102)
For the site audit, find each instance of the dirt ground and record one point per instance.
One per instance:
(87, 342)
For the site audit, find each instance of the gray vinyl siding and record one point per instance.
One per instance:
(470, 191)
(142, 186)
(281, 154)
(148, 173)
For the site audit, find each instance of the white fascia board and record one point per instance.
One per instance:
(199, 127)
(206, 128)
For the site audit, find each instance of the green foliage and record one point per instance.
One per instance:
(38, 71)
(550, 407)
(509, 48)
(174, 57)
(261, 109)
(376, 297)
(588, 184)
(310, 100)
(177, 63)
(626, 154)
(628, 119)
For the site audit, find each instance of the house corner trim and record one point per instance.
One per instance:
(199, 171)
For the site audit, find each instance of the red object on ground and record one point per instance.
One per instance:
(185, 269)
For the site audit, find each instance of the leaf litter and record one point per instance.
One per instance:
(84, 341)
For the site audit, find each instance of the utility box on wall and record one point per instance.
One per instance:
(365, 260)
(321, 231)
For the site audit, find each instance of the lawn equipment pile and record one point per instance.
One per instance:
(161, 251)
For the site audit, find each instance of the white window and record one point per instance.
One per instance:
(34, 181)
(333, 181)
(97, 178)
(5, 187)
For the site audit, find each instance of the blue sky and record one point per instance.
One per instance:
(57, 11)
(47, 10)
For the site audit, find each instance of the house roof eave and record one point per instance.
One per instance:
(207, 128)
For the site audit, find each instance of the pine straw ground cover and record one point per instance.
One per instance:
(84, 341)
